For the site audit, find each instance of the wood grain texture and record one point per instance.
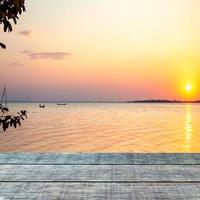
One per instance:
(100, 173)
(99, 176)
(100, 159)
(99, 191)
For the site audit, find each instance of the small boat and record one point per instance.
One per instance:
(61, 104)
(42, 106)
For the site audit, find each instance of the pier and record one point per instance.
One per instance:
(99, 176)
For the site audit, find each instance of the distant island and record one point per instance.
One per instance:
(162, 101)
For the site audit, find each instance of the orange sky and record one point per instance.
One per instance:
(103, 50)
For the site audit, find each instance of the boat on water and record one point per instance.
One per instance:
(42, 106)
(61, 104)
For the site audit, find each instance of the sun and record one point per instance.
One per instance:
(188, 87)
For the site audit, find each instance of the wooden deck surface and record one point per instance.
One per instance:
(99, 176)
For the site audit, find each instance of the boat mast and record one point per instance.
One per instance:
(4, 96)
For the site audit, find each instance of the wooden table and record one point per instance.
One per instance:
(99, 176)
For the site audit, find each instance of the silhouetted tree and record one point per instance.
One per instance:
(6, 119)
(9, 11)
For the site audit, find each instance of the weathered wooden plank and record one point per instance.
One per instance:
(102, 173)
(99, 191)
(100, 158)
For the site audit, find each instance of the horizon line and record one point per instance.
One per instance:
(108, 101)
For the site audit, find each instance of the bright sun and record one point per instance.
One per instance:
(188, 87)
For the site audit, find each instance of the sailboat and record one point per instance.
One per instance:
(3, 104)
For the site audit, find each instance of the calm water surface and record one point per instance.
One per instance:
(105, 128)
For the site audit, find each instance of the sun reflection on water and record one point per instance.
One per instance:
(188, 128)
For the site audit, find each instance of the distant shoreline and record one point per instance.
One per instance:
(163, 101)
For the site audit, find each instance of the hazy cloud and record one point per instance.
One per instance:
(25, 33)
(47, 55)
(26, 52)
(16, 64)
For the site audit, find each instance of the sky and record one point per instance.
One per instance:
(103, 50)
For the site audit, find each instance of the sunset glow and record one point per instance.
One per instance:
(188, 87)
(103, 50)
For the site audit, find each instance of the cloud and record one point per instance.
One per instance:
(47, 55)
(26, 52)
(25, 33)
(16, 64)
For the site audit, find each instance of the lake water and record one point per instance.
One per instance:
(99, 127)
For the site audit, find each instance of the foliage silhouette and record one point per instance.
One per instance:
(10, 10)
(7, 121)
